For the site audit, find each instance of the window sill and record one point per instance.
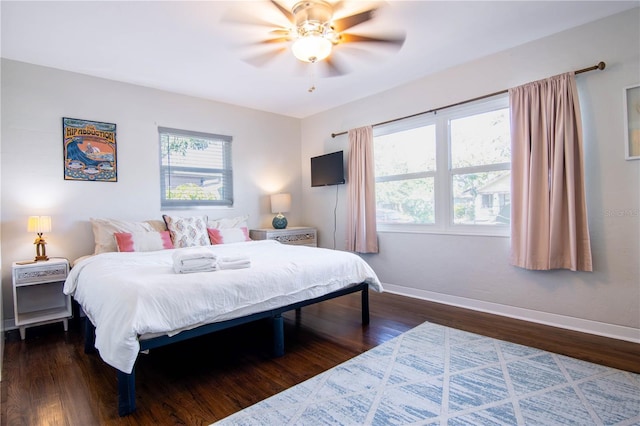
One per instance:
(479, 231)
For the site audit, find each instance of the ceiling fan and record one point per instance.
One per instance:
(315, 29)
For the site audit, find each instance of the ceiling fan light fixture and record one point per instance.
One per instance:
(311, 48)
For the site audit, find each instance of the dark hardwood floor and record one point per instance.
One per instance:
(49, 380)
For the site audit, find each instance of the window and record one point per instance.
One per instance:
(195, 169)
(405, 164)
(446, 172)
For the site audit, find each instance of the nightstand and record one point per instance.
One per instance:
(295, 235)
(37, 293)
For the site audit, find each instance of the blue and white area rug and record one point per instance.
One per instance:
(435, 375)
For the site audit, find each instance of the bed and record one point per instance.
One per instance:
(136, 301)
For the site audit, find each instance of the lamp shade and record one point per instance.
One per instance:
(39, 224)
(280, 203)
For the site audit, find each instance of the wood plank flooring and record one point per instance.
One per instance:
(49, 380)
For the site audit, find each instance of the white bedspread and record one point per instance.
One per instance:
(127, 295)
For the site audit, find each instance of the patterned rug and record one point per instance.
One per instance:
(435, 375)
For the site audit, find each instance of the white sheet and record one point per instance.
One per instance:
(126, 295)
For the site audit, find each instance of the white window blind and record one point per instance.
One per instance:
(195, 169)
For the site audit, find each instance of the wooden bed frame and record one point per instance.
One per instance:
(126, 382)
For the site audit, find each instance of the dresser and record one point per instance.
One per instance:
(295, 235)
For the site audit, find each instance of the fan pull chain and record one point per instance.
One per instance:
(312, 88)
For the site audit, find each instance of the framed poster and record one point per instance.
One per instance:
(632, 122)
(89, 150)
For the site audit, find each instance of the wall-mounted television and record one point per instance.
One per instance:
(327, 169)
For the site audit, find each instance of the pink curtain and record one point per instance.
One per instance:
(548, 206)
(361, 197)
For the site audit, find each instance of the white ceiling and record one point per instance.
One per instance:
(200, 48)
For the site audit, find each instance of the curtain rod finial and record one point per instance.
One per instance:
(601, 65)
(333, 135)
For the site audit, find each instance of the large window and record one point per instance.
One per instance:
(446, 172)
(195, 169)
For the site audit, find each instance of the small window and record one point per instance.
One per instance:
(195, 169)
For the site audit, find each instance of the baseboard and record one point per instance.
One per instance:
(570, 323)
(9, 324)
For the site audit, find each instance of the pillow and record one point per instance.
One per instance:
(187, 231)
(103, 230)
(226, 223)
(228, 235)
(143, 241)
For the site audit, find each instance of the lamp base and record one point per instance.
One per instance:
(41, 250)
(279, 222)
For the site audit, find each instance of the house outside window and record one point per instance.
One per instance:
(195, 169)
(447, 172)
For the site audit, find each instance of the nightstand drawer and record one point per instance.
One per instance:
(39, 274)
(306, 238)
(303, 236)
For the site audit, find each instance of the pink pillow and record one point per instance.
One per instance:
(228, 235)
(143, 241)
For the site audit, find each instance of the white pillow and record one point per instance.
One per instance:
(231, 222)
(103, 230)
(187, 231)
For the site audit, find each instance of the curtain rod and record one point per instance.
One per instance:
(601, 65)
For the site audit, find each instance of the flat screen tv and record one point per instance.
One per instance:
(327, 169)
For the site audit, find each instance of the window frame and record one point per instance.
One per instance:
(226, 170)
(444, 173)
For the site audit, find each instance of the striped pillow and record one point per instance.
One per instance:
(230, 235)
(143, 241)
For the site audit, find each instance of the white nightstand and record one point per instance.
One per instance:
(37, 293)
(296, 235)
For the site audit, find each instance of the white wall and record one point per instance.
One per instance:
(474, 271)
(266, 158)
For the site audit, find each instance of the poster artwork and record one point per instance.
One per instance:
(89, 150)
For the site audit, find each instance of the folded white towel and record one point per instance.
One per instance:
(201, 259)
(189, 253)
(199, 268)
(194, 259)
(234, 262)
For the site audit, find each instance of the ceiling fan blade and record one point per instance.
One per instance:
(332, 68)
(263, 59)
(347, 22)
(281, 31)
(285, 11)
(353, 38)
(337, 6)
(234, 17)
(272, 41)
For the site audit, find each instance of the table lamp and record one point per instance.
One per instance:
(39, 225)
(280, 203)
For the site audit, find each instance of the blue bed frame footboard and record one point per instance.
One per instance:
(126, 382)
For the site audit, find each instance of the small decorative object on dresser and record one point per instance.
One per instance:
(37, 293)
(297, 235)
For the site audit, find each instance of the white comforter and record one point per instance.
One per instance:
(127, 295)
